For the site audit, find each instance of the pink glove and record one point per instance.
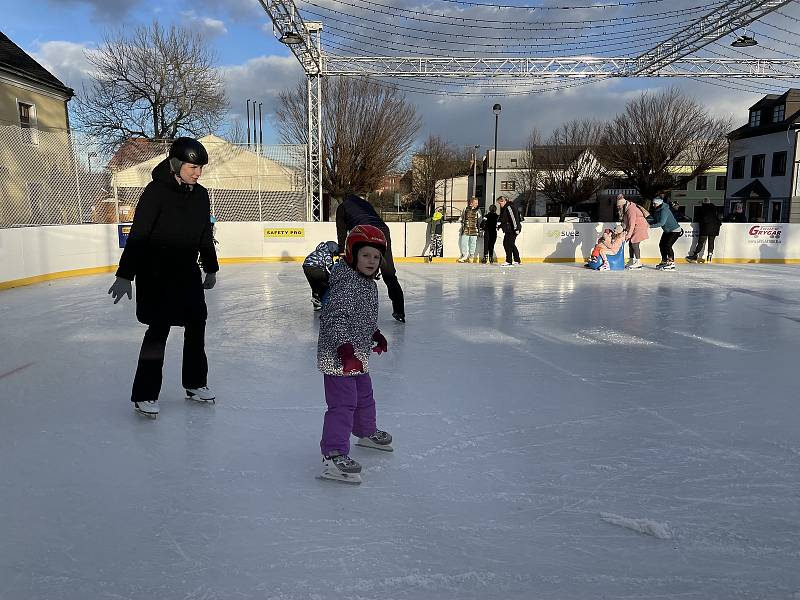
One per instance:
(350, 363)
(381, 345)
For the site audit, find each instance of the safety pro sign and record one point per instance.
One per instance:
(284, 232)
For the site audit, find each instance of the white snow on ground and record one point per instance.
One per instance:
(523, 404)
(661, 531)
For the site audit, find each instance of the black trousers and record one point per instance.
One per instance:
(389, 274)
(318, 279)
(668, 238)
(510, 245)
(194, 374)
(635, 252)
(701, 244)
(489, 240)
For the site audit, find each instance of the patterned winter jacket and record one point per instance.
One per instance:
(351, 315)
(321, 258)
(469, 221)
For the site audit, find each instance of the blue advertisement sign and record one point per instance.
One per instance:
(123, 229)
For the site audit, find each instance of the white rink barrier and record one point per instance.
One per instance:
(34, 254)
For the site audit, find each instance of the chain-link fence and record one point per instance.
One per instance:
(54, 177)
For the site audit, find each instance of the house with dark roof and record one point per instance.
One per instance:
(762, 161)
(35, 148)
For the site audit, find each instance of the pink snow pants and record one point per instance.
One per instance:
(351, 409)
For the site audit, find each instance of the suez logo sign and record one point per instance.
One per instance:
(764, 234)
(557, 233)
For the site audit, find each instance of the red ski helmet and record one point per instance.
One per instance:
(361, 235)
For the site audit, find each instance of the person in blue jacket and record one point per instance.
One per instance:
(662, 216)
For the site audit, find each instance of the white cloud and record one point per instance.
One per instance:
(205, 25)
(261, 78)
(65, 60)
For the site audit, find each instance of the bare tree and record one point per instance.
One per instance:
(527, 179)
(151, 82)
(367, 130)
(434, 161)
(657, 132)
(236, 133)
(570, 172)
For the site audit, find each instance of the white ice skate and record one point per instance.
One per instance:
(317, 304)
(380, 440)
(340, 467)
(634, 264)
(148, 408)
(201, 394)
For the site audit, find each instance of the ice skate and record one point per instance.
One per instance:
(201, 394)
(340, 467)
(380, 440)
(634, 264)
(507, 264)
(317, 304)
(399, 317)
(148, 408)
(668, 266)
(484, 260)
(708, 258)
(692, 258)
(462, 260)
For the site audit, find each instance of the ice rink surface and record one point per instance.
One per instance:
(559, 434)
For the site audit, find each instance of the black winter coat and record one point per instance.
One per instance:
(171, 227)
(356, 211)
(509, 219)
(708, 219)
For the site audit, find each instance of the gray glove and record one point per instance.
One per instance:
(210, 281)
(119, 288)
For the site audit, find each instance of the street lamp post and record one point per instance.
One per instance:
(474, 170)
(496, 109)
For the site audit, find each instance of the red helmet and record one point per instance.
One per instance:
(360, 235)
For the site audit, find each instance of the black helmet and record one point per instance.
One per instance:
(188, 150)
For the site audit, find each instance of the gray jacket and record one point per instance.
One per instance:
(351, 315)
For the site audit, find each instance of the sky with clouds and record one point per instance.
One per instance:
(255, 65)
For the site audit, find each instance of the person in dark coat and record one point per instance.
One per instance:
(489, 227)
(737, 216)
(171, 228)
(707, 218)
(357, 211)
(511, 225)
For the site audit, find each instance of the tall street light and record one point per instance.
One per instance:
(496, 109)
(474, 170)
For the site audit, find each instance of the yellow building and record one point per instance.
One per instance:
(36, 158)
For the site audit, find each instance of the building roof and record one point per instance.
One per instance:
(15, 61)
(790, 99)
(754, 189)
(137, 150)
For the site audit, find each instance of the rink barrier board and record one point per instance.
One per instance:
(32, 255)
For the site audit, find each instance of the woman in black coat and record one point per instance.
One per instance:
(707, 218)
(171, 228)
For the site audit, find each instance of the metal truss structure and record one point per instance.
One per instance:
(667, 59)
(554, 68)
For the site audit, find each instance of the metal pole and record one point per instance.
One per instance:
(248, 122)
(255, 142)
(474, 170)
(260, 127)
(494, 177)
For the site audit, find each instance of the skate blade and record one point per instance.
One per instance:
(199, 400)
(368, 443)
(145, 414)
(348, 478)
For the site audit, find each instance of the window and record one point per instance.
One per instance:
(682, 184)
(738, 168)
(757, 166)
(478, 191)
(508, 186)
(779, 164)
(778, 113)
(27, 122)
(701, 183)
(721, 181)
(755, 118)
(513, 162)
